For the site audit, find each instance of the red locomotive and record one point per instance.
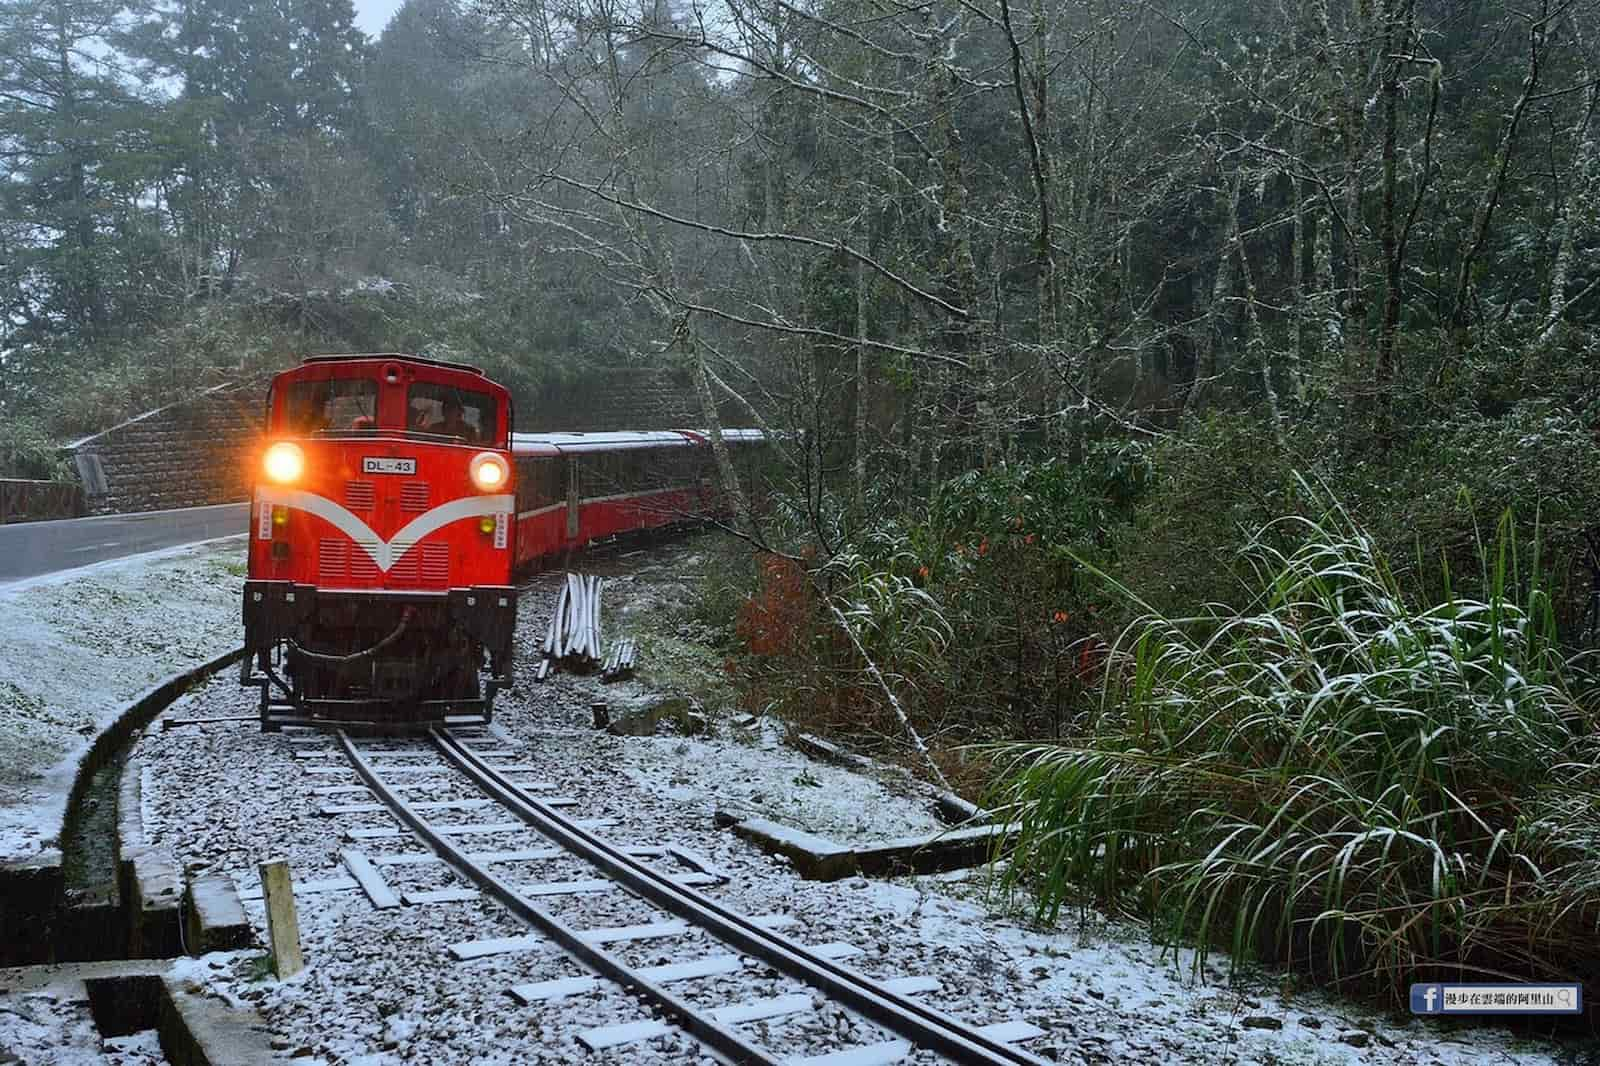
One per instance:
(393, 507)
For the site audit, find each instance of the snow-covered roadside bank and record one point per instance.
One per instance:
(77, 647)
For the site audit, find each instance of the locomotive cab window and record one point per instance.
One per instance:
(451, 412)
(337, 406)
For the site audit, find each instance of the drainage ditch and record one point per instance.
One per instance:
(76, 905)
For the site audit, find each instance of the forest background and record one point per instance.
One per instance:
(1123, 359)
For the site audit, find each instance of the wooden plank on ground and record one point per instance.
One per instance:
(442, 895)
(871, 1055)
(178, 723)
(372, 882)
(498, 945)
(283, 925)
(609, 1036)
(427, 858)
(525, 768)
(351, 790)
(911, 986)
(375, 808)
(374, 833)
(1012, 1032)
(474, 949)
(568, 888)
(694, 860)
(711, 966)
(306, 888)
(596, 884)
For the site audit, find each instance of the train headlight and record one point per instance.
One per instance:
(284, 462)
(489, 471)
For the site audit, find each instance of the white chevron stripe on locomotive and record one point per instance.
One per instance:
(385, 553)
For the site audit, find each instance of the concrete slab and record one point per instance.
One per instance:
(32, 890)
(816, 858)
(152, 902)
(195, 1028)
(820, 859)
(215, 916)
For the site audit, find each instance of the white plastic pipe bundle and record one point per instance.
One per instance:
(574, 630)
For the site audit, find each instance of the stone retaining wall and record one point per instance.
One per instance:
(615, 399)
(188, 454)
(34, 501)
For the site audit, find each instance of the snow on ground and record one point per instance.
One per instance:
(381, 987)
(79, 646)
(753, 774)
(52, 1026)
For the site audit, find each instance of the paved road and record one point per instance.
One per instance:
(28, 549)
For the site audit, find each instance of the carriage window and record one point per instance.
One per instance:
(451, 412)
(341, 404)
(538, 483)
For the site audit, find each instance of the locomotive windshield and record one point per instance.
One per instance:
(343, 404)
(452, 412)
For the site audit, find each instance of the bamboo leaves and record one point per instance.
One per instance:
(1333, 770)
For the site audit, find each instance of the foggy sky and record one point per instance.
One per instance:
(373, 15)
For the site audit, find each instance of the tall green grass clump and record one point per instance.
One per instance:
(1334, 778)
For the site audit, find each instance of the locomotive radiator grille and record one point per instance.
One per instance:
(333, 561)
(340, 560)
(415, 496)
(426, 565)
(404, 571)
(362, 568)
(436, 564)
(360, 495)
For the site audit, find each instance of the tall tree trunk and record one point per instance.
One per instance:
(1039, 165)
(953, 241)
(726, 473)
(1255, 338)
(1207, 367)
(862, 362)
(1388, 225)
(1578, 190)
(1483, 217)
(1297, 266)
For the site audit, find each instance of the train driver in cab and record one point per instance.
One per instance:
(452, 424)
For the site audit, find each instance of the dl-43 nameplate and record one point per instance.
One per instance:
(383, 464)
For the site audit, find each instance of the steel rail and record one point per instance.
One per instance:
(718, 1038)
(922, 1025)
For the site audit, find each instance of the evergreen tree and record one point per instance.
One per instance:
(73, 136)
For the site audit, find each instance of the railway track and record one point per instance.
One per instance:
(672, 910)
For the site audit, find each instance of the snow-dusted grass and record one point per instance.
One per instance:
(1378, 792)
(79, 646)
